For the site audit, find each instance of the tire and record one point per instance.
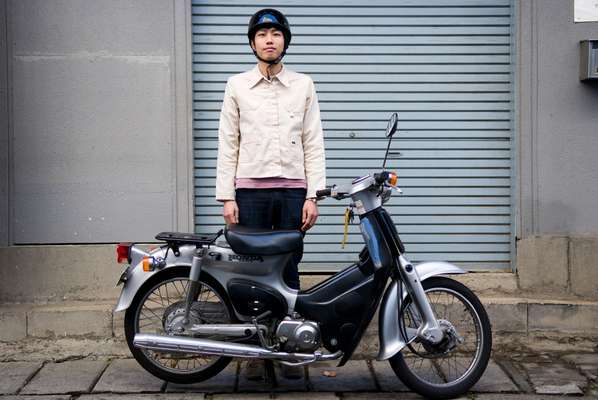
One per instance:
(427, 370)
(168, 366)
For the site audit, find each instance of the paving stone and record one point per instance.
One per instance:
(587, 363)
(388, 380)
(355, 376)
(66, 377)
(517, 374)
(554, 378)
(14, 375)
(224, 382)
(138, 396)
(425, 370)
(378, 396)
(246, 385)
(494, 380)
(243, 396)
(504, 396)
(127, 376)
(52, 397)
(307, 396)
(284, 384)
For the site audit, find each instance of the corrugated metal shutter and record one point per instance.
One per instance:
(444, 65)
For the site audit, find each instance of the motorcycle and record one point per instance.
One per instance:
(197, 301)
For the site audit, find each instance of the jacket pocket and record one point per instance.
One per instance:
(250, 151)
(295, 116)
(296, 147)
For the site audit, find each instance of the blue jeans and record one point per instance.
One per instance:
(274, 209)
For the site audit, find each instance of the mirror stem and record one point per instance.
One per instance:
(386, 155)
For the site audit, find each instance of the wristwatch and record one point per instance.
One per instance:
(312, 199)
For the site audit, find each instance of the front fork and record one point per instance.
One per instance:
(429, 330)
(194, 285)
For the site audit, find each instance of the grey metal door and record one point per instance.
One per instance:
(443, 65)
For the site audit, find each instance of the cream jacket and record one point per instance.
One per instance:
(270, 129)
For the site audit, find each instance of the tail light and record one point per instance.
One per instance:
(123, 253)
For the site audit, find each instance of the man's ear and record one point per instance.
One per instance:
(252, 44)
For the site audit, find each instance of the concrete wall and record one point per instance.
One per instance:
(105, 86)
(558, 131)
(99, 121)
(558, 143)
(3, 128)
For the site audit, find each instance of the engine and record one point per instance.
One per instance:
(298, 336)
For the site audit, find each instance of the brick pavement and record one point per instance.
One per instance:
(528, 377)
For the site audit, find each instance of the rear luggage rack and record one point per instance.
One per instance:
(181, 238)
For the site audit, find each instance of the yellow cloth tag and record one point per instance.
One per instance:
(347, 216)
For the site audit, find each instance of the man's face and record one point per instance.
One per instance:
(268, 43)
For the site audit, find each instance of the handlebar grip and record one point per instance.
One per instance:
(323, 192)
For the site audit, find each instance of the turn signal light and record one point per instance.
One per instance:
(393, 179)
(148, 265)
(123, 253)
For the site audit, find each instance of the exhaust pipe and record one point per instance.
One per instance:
(177, 344)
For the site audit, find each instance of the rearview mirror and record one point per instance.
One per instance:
(391, 128)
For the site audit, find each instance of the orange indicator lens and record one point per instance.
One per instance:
(393, 179)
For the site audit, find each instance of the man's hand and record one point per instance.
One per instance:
(310, 214)
(230, 212)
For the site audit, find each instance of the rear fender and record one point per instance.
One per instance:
(391, 339)
(136, 277)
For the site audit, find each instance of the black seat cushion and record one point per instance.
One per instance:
(253, 241)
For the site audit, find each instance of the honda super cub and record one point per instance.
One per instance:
(197, 301)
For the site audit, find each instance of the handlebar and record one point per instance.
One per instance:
(381, 179)
(323, 192)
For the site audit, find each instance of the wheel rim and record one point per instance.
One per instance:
(452, 367)
(149, 318)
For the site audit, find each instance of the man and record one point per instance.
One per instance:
(270, 141)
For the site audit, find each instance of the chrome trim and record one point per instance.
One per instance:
(236, 330)
(429, 329)
(212, 347)
(391, 340)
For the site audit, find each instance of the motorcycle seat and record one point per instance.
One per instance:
(262, 242)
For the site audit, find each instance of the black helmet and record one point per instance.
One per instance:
(269, 18)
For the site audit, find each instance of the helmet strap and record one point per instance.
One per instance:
(270, 63)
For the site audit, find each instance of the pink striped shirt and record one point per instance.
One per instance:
(270, 183)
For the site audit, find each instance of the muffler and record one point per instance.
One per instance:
(177, 344)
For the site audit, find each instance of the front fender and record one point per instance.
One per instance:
(391, 339)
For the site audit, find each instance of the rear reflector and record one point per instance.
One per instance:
(123, 253)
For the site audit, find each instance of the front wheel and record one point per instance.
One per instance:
(450, 368)
(159, 304)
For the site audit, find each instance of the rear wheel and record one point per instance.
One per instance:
(453, 366)
(159, 304)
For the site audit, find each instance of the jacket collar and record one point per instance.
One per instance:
(255, 76)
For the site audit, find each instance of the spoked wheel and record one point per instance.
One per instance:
(453, 366)
(158, 306)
